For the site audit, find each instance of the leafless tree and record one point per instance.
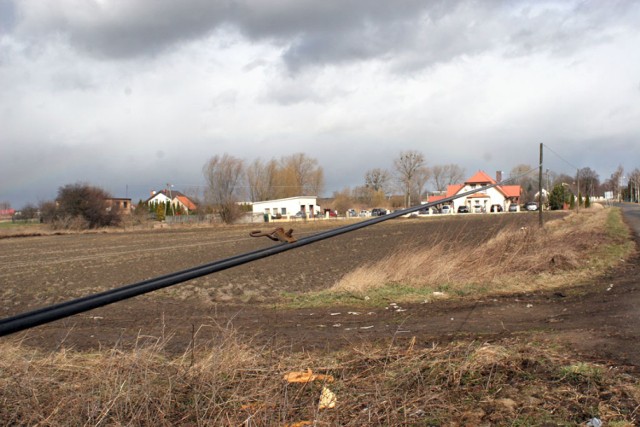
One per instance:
(613, 183)
(408, 166)
(223, 176)
(634, 185)
(422, 177)
(526, 177)
(445, 175)
(261, 180)
(298, 175)
(377, 179)
(589, 182)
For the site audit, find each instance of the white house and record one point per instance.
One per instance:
(495, 199)
(172, 197)
(161, 196)
(288, 207)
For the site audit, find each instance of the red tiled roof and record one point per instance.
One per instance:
(453, 189)
(434, 198)
(480, 178)
(511, 190)
(186, 202)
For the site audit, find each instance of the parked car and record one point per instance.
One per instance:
(351, 213)
(463, 209)
(364, 213)
(300, 214)
(423, 211)
(446, 209)
(531, 206)
(378, 212)
(496, 208)
(513, 207)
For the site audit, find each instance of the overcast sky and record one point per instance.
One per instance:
(130, 95)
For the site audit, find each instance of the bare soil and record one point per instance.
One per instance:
(598, 320)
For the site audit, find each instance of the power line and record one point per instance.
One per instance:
(561, 158)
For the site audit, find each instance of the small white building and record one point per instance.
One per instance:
(288, 207)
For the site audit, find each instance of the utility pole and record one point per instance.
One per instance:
(540, 190)
(579, 195)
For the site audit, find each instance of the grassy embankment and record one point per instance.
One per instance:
(568, 251)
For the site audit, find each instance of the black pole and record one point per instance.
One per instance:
(540, 190)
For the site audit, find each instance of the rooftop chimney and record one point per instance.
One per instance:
(498, 176)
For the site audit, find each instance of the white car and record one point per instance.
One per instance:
(531, 206)
(446, 209)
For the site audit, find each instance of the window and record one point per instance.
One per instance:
(283, 211)
(124, 205)
(267, 210)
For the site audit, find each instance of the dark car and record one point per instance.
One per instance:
(463, 209)
(378, 212)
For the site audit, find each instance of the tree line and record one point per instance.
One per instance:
(230, 180)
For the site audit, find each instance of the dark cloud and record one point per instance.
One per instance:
(410, 34)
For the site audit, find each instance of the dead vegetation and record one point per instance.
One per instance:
(517, 259)
(509, 382)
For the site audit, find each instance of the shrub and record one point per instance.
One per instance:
(80, 206)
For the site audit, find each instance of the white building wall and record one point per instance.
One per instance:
(287, 207)
(495, 198)
(159, 198)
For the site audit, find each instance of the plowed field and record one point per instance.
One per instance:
(599, 320)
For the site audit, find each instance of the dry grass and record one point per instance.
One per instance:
(463, 383)
(573, 248)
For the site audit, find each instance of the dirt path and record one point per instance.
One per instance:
(599, 321)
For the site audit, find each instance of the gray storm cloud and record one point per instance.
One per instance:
(94, 90)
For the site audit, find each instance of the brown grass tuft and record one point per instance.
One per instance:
(509, 382)
(515, 260)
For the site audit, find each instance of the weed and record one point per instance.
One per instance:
(581, 373)
(515, 260)
(232, 383)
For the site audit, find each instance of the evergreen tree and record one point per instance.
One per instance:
(587, 202)
(160, 211)
(572, 202)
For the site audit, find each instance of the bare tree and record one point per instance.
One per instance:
(261, 180)
(634, 185)
(223, 176)
(613, 183)
(377, 179)
(299, 174)
(408, 166)
(342, 200)
(527, 178)
(422, 177)
(589, 182)
(445, 175)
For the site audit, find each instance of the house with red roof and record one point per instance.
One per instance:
(173, 197)
(495, 199)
